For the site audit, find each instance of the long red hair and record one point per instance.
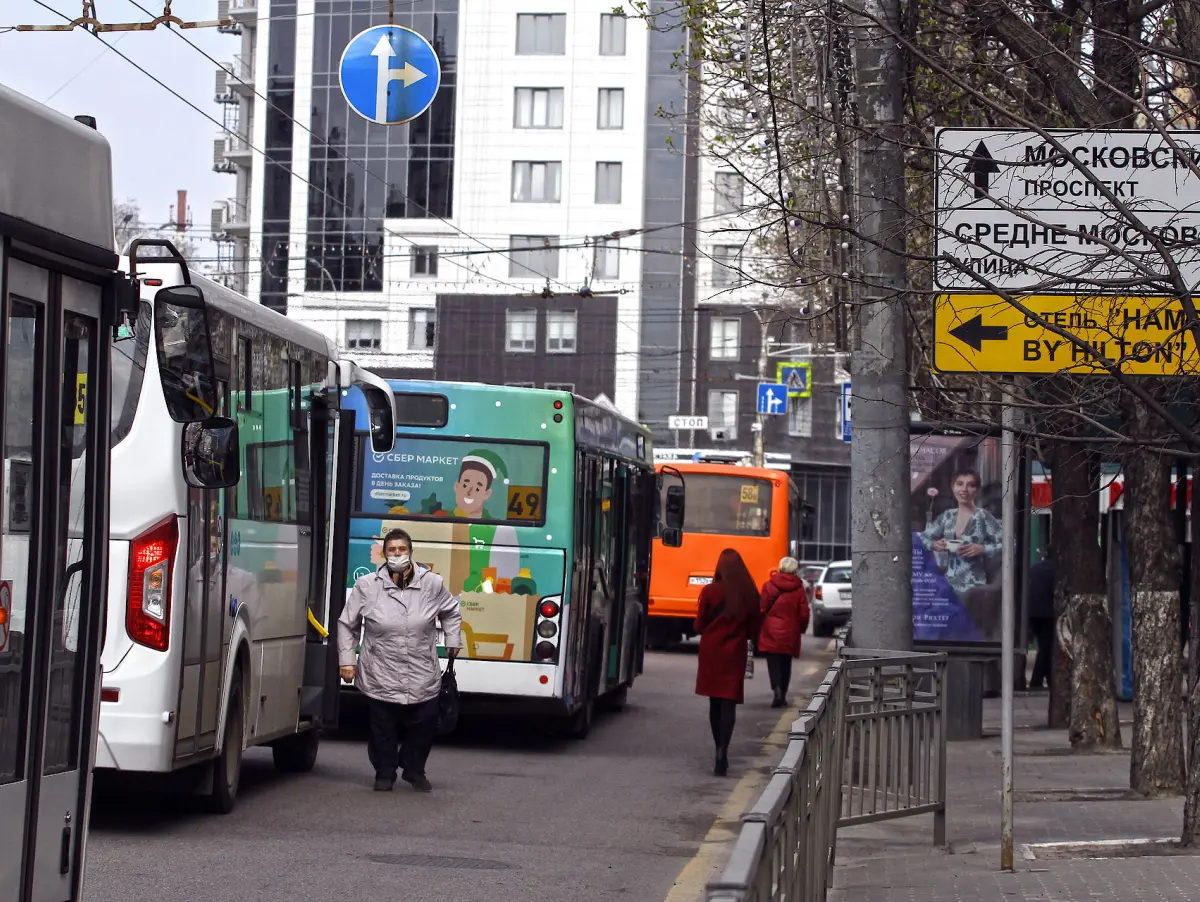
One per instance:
(741, 595)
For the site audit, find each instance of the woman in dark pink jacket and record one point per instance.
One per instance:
(784, 606)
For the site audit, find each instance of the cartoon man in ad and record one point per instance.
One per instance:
(495, 557)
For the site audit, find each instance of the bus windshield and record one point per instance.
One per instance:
(128, 371)
(462, 479)
(727, 505)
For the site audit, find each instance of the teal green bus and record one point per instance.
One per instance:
(538, 509)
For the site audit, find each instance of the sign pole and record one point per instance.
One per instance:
(1008, 444)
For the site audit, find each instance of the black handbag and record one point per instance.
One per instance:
(448, 701)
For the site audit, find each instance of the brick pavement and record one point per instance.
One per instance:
(895, 861)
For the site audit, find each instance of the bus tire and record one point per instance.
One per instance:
(227, 766)
(579, 724)
(617, 699)
(296, 754)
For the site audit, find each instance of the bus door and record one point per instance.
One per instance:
(331, 464)
(54, 379)
(205, 624)
(631, 575)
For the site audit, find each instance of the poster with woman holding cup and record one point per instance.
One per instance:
(957, 543)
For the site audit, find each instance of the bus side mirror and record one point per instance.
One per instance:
(673, 518)
(671, 538)
(211, 454)
(185, 359)
(381, 418)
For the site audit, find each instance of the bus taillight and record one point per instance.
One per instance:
(546, 629)
(148, 609)
(548, 609)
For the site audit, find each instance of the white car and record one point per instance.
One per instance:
(831, 598)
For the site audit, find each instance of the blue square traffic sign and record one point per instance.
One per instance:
(797, 377)
(772, 398)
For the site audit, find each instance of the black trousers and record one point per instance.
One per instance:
(779, 671)
(383, 744)
(722, 714)
(1043, 631)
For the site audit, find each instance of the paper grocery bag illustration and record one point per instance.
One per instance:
(498, 627)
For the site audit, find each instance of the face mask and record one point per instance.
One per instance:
(398, 563)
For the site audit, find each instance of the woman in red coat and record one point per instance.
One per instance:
(784, 606)
(728, 619)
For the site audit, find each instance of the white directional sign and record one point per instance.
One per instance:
(1020, 213)
(682, 421)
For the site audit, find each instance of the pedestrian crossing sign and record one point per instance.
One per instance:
(797, 377)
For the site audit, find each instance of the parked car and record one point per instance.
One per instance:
(810, 573)
(831, 598)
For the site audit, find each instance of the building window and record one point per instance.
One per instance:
(606, 262)
(799, 417)
(730, 188)
(533, 256)
(544, 33)
(422, 328)
(723, 411)
(725, 338)
(536, 183)
(364, 334)
(727, 261)
(612, 108)
(538, 108)
(424, 260)
(520, 327)
(608, 183)
(560, 332)
(561, 386)
(612, 34)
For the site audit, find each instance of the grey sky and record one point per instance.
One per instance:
(159, 144)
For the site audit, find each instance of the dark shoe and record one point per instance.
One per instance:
(778, 701)
(419, 782)
(721, 767)
(382, 784)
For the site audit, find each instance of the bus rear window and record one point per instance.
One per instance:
(422, 410)
(455, 479)
(726, 505)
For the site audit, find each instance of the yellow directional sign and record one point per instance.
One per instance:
(984, 333)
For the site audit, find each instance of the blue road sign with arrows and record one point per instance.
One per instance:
(389, 74)
(772, 398)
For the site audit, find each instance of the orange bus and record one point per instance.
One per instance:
(744, 508)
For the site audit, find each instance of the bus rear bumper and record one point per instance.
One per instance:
(682, 608)
(139, 743)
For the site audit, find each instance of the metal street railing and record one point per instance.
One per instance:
(870, 746)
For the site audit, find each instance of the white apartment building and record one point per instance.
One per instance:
(477, 242)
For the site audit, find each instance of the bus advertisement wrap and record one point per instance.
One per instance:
(957, 545)
(460, 500)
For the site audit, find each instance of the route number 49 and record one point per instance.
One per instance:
(524, 502)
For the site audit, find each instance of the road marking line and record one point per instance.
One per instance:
(689, 885)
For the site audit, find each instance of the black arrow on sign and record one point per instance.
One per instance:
(981, 165)
(974, 333)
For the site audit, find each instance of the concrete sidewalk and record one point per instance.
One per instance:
(1060, 798)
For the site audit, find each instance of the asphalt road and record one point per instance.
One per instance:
(516, 814)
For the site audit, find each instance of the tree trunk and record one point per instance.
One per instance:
(1191, 804)
(1084, 623)
(1058, 714)
(1156, 765)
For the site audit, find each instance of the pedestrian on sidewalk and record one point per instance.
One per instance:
(397, 608)
(728, 619)
(1041, 619)
(783, 603)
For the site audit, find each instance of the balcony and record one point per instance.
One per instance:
(242, 11)
(235, 78)
(230, 219)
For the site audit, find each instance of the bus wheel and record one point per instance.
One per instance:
(227, 766)
(617, 699)
(296, 754)
(579, 724)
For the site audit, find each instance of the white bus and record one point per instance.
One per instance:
(216, 633)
